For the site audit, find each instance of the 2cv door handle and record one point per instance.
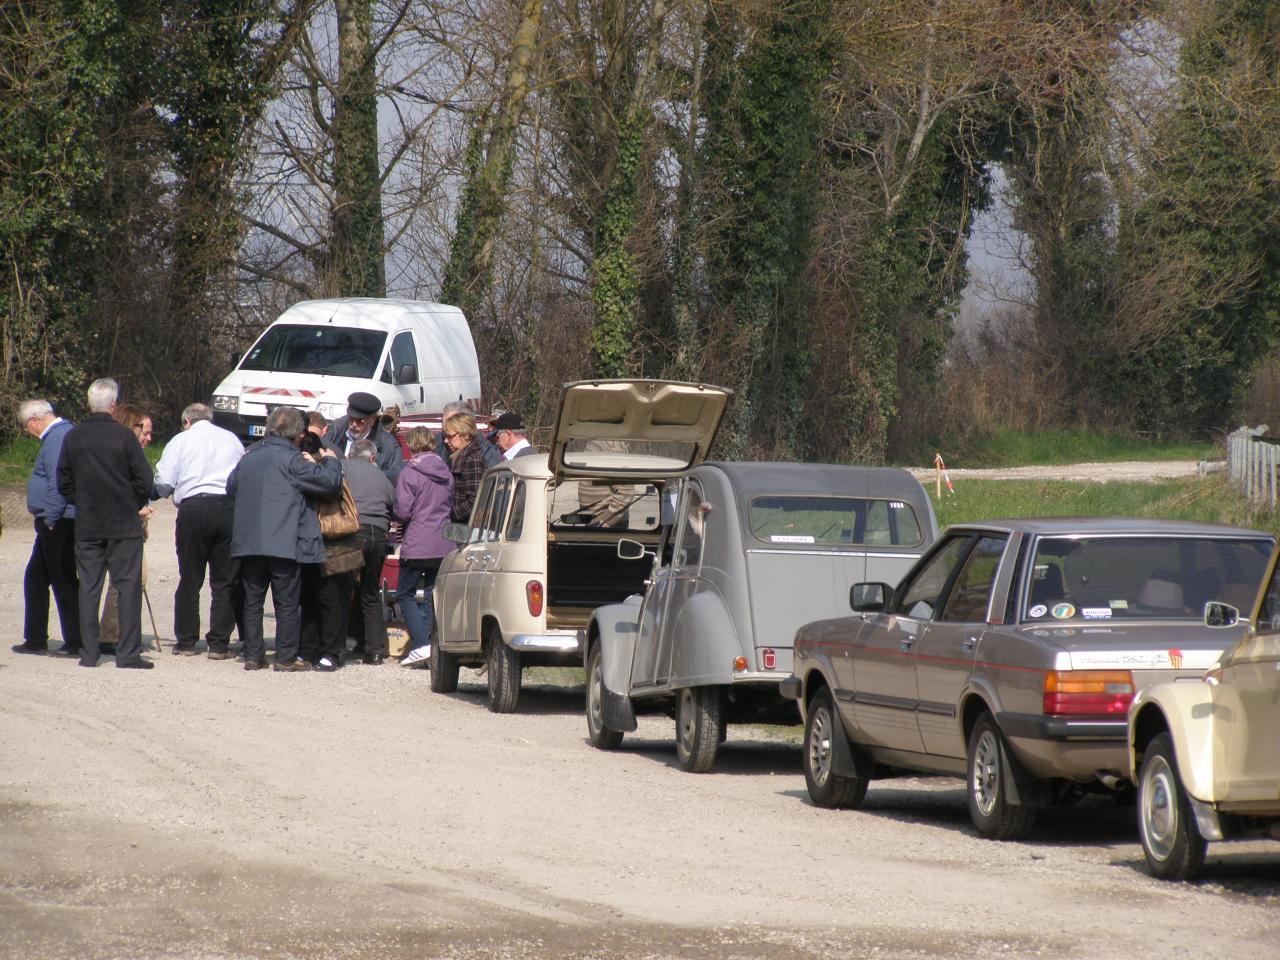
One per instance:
(969, 644)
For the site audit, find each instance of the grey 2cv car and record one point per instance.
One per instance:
(756, 550)
(1010, 654)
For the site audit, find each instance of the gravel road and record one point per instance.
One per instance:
(199, 811)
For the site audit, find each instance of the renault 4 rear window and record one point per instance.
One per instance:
(1140, 577)
(834, 520)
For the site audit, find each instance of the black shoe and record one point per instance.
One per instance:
(255, 665)
(185, 650)
(139, 664)
(292, 666)
(374, 660)
(39, 649)
(88, 663)
(65, 651)
(219, 654)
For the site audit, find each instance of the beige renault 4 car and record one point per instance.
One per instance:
(541, 550)
(1206, 753)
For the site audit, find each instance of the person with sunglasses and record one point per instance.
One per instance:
(362, 423)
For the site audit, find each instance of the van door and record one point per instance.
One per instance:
(404, 372)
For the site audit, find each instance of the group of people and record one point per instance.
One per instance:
(253, 520)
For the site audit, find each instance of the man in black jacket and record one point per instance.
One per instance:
(103, 471)
(361, 423)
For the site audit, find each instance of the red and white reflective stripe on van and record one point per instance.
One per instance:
(281, 392)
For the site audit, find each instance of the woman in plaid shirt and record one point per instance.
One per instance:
(466, 462)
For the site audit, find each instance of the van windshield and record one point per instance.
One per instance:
(336, 351)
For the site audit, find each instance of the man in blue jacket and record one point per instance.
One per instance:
(275, 529)
(53, 555)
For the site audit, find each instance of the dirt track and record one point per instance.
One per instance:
(199, 811)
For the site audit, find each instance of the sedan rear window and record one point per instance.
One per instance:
(835, 520)
(1140, 578)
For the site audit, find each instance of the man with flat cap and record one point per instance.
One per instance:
(361, 423)
(508, 433)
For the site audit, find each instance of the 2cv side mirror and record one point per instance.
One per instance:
(870, 597)
(632, 550)
(1218, 614)
(455, 532)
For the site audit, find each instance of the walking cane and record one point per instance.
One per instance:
(151, 613)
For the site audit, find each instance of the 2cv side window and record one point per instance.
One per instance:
(920, 597)
(834, 520)
(971, 593)
(692, 528)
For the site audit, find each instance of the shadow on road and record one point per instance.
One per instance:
(749, 758)
(535, 699)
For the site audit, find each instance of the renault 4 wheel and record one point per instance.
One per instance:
(992, 814)
(699, 727)
(602, 737)
(444, 667)
(503, 671)
(1171, 840)
(826, 787)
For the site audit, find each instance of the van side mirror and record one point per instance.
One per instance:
(631, 550)
(408, 373)
(455, 532)
(1217, 614)
(870, 597)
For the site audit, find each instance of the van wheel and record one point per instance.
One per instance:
(826, 787)
(601, 737)
(444, 667)
(1171, 840)
(699, 727)
(992, 814)
(503, 671)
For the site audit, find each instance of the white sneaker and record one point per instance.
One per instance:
(417, 655)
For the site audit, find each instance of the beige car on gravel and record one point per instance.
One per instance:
(1205, 754)
(541, 550)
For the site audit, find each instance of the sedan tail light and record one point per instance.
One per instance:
(533, 595)
(1089, 692)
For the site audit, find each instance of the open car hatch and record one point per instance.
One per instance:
(650, 429)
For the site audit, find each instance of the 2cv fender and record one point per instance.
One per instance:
(705, 641)
(610, 648)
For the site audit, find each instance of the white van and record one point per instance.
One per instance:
(318, 352)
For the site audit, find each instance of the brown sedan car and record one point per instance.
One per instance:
(1009, 655)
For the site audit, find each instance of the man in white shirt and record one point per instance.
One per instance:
(508, 435)
(193, 470)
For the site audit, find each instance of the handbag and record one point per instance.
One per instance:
(343, 556)
(338, 518)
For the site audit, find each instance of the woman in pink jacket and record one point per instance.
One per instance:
(424, 498)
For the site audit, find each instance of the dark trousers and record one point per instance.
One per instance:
(52, 566)
(324, 613)
(284, 577)
(123, 560)
(203, 538)
(372, 622)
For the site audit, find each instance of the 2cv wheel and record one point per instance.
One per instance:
(503, 670)
(699, 727)
(826, 787)
(992, 814)
(1171, 840)
(601, 737)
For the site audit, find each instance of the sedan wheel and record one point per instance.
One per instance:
(992, 814)
(1171, 840)
(699, 727)
(826, 787)
(601, 737)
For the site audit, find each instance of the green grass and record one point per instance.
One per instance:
(1193, 499)
(18, 455)
(1007, 448)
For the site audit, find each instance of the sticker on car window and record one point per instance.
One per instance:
(1039, 610)
(1063, 611)
(1119, 604)
(1095, 613)
(790, 538)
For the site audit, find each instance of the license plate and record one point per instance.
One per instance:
(257, 431)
